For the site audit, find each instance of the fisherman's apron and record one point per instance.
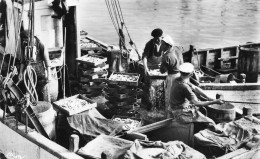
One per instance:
(190, 114)
(43, 86)
(154, 96)
(168, 85)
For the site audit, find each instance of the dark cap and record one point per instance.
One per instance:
(157, 32)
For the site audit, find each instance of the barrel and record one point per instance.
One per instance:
(222, 113)
(248, 63)
(46, 116)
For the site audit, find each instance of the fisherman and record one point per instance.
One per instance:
(183, 101)
(39, 61)
(152, 57)
(171, 61)
(153, 51)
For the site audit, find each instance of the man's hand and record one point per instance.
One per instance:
(147, 73)
(20, 77)
(219, 101)
(210, 99)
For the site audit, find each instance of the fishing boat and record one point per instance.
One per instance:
(17, 139)
(231, 71)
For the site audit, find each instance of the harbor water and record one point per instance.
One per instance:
(203, 23)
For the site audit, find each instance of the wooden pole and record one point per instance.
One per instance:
(64, 60)
(241, 102)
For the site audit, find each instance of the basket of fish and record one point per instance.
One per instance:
(130, 79)
(74, 104)
(156, 74)
(92, 60)
(130, 123)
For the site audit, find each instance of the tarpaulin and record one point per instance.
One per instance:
(114, 147)
(160, 150)
(92, 123)
(233, 135)
(117, 148)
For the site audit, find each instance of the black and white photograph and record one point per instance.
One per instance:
(129, 79)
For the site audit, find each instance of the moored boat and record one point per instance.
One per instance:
(230, 71)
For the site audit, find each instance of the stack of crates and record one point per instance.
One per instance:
(123, 95)
(92, 74)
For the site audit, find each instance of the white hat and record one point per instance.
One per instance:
(168, 40)
(186, 67)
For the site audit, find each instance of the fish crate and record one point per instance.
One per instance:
(92, 60)
(156, 74)
(74, 104)
(85, 66)
(94, 75)
(130, 79)
(119, 97)
(84, 79)
(131, 122)
(122, 103)
(100, 79)
(98, 69)
(88, 72)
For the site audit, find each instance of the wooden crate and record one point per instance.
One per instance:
(87, 60)
(72, 108)
(156, 74)
(123, 81)
(124, 120)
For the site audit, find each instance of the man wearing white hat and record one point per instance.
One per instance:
(171, 61)
(183, 99)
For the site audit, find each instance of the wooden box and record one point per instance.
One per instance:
(74, 104)
(130, 79)
(92, 60)
(132, 122)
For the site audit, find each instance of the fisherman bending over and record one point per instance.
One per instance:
(152, 57)
(183, 100)
(171, 61)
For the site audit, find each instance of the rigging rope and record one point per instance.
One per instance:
(30, 76)
(17, 37)
(117, 16)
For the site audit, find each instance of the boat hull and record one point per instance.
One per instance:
(32, 145)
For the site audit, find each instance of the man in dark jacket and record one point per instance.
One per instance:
(153, 51)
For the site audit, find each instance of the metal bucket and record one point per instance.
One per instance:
(248, 63)
(46, 115)
(222, 113)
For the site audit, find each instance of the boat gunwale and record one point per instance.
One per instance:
(228, 86)
(41, 141)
